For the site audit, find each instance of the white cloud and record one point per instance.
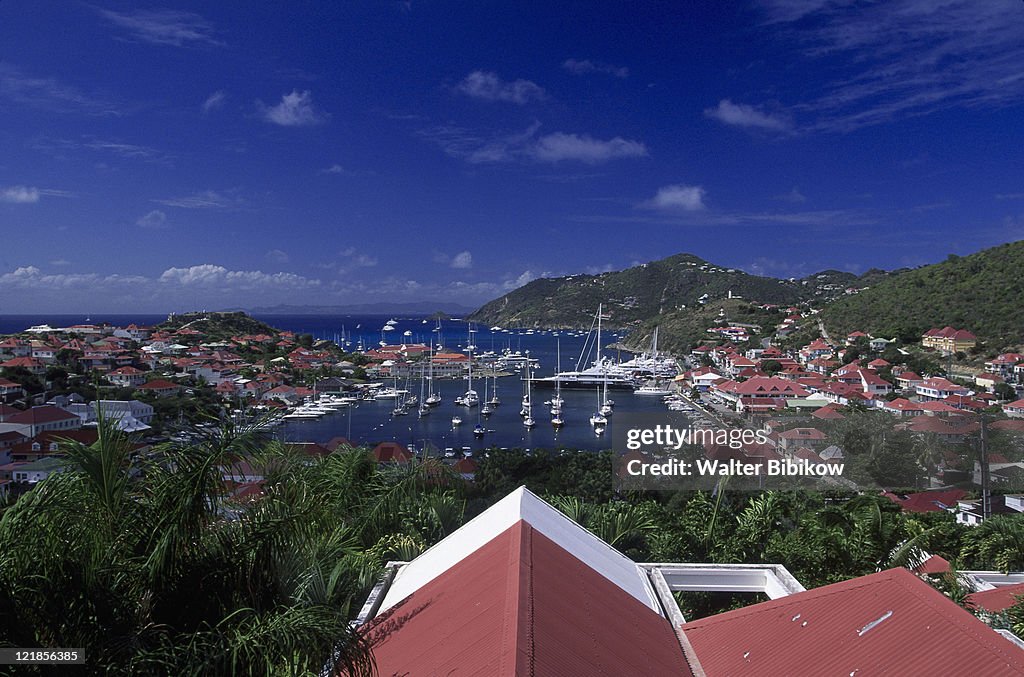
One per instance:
(586, 66)
(356, 259)
(164, 27)
(742, 115)
(794, 196)
(677, 197)
(207, 199)
(295, 110)
(193, 287)
(154, 219)
(277, 256)
(341, 170)
(902, 58)
(208, 274)
(555, 147)
(488, 86)
(51, 94)
(215, 101)
(19, 194)
(128, 151)
(462, 260)
(558, 146)
(60, 263)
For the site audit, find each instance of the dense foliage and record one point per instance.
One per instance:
(980, 292)
(147, 563)
(218, 326)
(630, 296)
(144, 562)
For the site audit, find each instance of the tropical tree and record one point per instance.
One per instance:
(997, 542)
(152, 566)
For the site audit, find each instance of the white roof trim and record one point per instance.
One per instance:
(524, 505)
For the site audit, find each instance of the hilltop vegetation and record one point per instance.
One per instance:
(217, 326)
(681, 330)
(633, 295)
(981, 292)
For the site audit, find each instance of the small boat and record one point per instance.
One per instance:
(479, 430)
(529, 422)
(456, 421)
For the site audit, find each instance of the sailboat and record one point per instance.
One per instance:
(487, 409)
(556, 403)
(433, 398)
(470, 398)
(401, 409)
(527, 397)
(424, 407)
(598, 419)
(528, 407)
(494, 401)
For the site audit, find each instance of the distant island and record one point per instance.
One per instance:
(411, 308)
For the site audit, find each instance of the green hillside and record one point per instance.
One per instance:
(982, 292)
(681, 330)
(218, 326)
(633, 295)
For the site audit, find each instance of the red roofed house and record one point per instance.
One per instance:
(889, 622)
(391, 452)
(127, 377)
(794, 438)
(928, 501)
(161, 388)
(908, 380)
(938, 388)
(948, 339)
(32, 364)
(901, 406)
(1014, 409)
(761, 393)
(997, 599)
(523, 590)
(36, 420)
(9, 390)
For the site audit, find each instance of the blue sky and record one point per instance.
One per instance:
(158, 157)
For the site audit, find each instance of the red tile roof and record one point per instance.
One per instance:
(391, 452)
(929, 501)
(889, 623)
(522, 605)
(39, 415)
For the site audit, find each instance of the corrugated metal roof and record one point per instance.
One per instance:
(997, 599)
(886, 623)
(522, 605)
